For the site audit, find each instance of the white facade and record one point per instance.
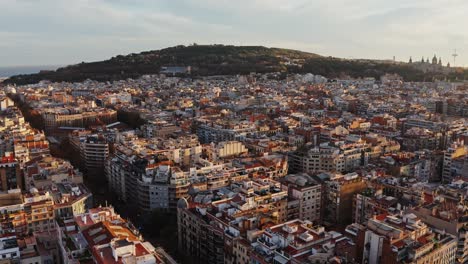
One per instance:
(9, 248)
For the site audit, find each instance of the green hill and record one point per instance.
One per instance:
(204, 60)
(222, 60)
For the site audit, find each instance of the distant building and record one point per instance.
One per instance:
(159, 129)
(225, 149)
(57, 118)
(434, 66)
(326, 157)
(175, 70)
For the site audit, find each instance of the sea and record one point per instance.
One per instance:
(15, 70)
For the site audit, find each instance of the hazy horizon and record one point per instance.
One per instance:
(8, 71)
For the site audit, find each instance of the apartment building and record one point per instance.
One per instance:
(455, 161)
(213, 231)
(446, 215)
(120, 250)
(294, 241)
(329, 158)
(71, 199)
(9, 249)
(40, 213)
(55, 118)
(404, 239)
(199, 238)
(418, 165)
(369, 203)
(224, 149)
(209, 132)
(162, 188)
(29, 145)
(101, 236)
(158, 129)
(94, 151)
(306, 192)
(338, 198)
(416, 138)
(10, 174)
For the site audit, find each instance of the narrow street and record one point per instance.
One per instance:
(159, 228)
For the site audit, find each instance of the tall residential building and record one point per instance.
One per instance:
(10, 175)
(162, 188)
(94, 151)
(199, 237)
(304, 191)
(455, 158)
(338, 198)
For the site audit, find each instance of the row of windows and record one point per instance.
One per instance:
(12, 255)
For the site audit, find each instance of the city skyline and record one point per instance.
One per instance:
(222, 131)
(51, 32)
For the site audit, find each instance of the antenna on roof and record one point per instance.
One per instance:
(454, 55)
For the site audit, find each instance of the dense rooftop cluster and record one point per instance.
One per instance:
(47, 213)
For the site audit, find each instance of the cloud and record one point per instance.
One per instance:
(60, 32)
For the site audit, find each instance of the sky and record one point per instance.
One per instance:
(60, 32)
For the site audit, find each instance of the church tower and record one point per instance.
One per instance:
(410, 60)
(434, 60)
(440, 61)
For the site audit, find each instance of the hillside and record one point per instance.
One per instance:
(204, 60)
(223, 60)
